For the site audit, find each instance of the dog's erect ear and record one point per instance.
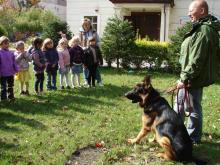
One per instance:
(147, 80)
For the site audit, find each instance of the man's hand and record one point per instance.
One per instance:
(180, 85)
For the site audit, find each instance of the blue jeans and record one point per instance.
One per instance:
(39, 81)
(51, 77)
(194, 123)
(98, 76)
(86, 74)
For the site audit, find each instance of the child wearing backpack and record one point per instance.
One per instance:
(39, 65)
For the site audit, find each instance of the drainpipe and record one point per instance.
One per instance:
(165, 22)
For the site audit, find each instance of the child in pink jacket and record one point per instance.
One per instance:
(64, 62)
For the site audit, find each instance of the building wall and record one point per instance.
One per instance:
(77, 9)
(178, 14)
(103, 9)
(58, 7)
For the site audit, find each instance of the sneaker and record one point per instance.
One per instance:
(37, 93)
(100, 84)
(12, 99)
(68, 87)
(196, 143)
(86, 86)
(27, 93)
(62, 87)
(22, 93)
(85, 83)
(54, 88)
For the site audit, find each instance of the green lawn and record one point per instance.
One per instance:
(48, 129)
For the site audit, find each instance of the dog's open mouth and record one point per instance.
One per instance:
(131, 95)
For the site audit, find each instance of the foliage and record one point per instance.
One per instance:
(175, 46)
(152, 52)
(49, 128)
(29, 21)
(53, 28)
(33, 20)
(8, 18)
(2, 31)
(118, 41)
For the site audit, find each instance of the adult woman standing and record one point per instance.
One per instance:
(86, 31)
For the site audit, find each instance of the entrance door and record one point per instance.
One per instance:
(147, 24)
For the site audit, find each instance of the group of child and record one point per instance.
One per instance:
(67, 56)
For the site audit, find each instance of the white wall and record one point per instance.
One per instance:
(178, 14)
(53, 6)
(77, 9)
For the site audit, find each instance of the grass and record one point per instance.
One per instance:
(48, 129)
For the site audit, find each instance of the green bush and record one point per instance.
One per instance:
(175, 46)
(34, 20)
(8, 18)
(118, 41)
(2, 31)
(152, 52)
(52, 31)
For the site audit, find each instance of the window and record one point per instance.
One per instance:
(93, 20)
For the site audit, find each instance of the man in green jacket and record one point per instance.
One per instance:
(199, 59)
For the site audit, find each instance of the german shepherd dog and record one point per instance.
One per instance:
(159, 117)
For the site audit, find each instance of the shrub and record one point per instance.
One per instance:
(152, 52)
(118, 41)
(33, 20)
(8, 18)
(52, 31)
(2, 31)
(26, 22)
(175, 46)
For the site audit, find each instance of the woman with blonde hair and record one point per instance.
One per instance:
(87, 31)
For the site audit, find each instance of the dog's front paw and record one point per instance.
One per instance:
(133, 141)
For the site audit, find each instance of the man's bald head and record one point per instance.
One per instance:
(198, 9)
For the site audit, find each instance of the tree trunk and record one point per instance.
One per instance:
(117, 63)
(109, 63)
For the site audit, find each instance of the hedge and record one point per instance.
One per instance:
(151, 52)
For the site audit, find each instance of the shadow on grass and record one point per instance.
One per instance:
(135, 72)
(208, 151)
(5, 145)
(54, 104)
(7, 117)
(109, 91)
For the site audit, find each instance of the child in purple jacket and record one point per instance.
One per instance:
(39, 65)
(8, 68)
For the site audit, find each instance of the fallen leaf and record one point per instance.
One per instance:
(64, 108)
(98, 145)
